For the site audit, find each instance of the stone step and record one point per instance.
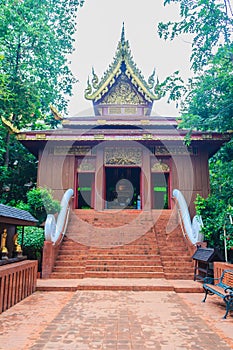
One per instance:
(100, 274)
(174, 253)
(178, 269)
(68, 269)
(116, 262)
(145, 251)
(133, 246)
(179, 276)
(109, 257)
(59, 275)
(104, 268)
(122, 268)
(139, 241)
(177, 263)
(87, 284)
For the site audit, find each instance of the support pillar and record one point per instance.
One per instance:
(146, 180)
(99, 180)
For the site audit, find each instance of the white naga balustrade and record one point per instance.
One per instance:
(192, 228)
(55, 230)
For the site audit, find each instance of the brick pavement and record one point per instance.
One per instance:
(119, 320)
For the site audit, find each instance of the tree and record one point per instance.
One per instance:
(35, 38)
(207, 100)
(209, 22)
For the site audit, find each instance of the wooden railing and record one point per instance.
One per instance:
(17, 281)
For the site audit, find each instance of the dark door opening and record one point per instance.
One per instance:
(85, 190)
(122, 187)
(159, 183)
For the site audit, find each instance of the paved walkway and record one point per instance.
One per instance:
(119, 320)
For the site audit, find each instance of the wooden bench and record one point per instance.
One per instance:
(223, 287)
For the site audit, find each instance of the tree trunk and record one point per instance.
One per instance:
(7, 154)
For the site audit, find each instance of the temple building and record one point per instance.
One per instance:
(122, 156)
(126, 166)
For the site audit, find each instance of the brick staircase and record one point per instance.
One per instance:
(123, 244)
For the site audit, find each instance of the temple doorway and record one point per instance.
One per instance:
(86, 182)
(122, 187)
(160, 190)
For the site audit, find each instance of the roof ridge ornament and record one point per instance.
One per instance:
(9, 125)
(151, 80)
(56, 114)
(95, 79)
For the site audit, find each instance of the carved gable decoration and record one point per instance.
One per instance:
(123, 93)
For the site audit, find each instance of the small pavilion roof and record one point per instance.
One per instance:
(10, 215)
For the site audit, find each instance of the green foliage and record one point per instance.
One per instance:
(209, 102)
(216, 209)
(216, 217)
(19, 175)
(40, 203)
(221, 174)
(36, 36)
(32, 243)
(33, 238)
(206, 101)
(175, 85)
(208, 22)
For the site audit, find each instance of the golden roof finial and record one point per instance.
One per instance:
(55, 112)
(10, 126)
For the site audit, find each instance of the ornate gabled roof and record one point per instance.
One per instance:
(122, 64)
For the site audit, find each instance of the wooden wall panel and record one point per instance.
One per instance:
(190, 175)
(201, 171)
(57, 170)
(68, 173)
(182, 173)
(45, 170)
(56, 173)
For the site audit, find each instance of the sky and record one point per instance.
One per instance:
(99, 25)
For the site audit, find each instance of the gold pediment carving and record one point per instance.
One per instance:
(86, 165)
(123, 93)
(123, 156)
